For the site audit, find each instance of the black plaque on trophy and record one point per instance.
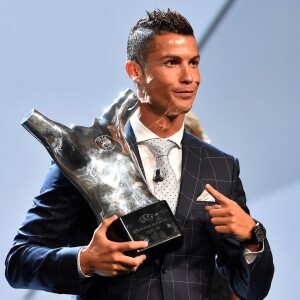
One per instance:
(100, 163)
(154, 223)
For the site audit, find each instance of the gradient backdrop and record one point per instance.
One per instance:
(66, 59)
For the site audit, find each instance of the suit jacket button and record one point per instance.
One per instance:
(164, 270)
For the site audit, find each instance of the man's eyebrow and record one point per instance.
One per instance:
(170, 56)
(174, 56)
(196, 57)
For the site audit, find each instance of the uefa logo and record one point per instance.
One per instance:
(146, 218)
(105, 142)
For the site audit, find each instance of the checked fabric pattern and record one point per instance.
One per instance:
(167, 189)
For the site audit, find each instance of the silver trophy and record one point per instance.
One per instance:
(103, 167)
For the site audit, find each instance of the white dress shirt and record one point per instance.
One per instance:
(142, 133)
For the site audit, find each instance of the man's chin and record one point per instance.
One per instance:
(175, 116)
(178, 112)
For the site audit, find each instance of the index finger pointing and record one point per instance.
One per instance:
(220, 198)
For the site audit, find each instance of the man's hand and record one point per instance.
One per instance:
(228, 217)
(107, 257)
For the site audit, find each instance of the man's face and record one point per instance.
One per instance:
(171, 77)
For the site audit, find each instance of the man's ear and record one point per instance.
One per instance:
(133, 70)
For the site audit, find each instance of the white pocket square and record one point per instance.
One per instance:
(205, 196)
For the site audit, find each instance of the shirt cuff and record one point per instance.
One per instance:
(81, 274)
(251, 256)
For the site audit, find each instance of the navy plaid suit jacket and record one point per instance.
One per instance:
(44, 255)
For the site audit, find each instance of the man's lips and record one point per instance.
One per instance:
(185, 93)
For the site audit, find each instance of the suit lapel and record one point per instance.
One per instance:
(130, 137)
(191, 185)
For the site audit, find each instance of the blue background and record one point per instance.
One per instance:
(66, 59)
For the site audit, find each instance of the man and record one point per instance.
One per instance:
(48, 253)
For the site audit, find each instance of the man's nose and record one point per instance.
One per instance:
(186, 74)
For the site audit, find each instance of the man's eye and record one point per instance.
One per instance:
(195, 63)
(172, 62)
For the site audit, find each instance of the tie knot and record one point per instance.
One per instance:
(160, 147)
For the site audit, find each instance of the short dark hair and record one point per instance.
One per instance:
(154, 23)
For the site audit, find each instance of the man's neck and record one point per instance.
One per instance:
(161, 125)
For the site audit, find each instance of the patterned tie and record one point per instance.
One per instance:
(165, 182)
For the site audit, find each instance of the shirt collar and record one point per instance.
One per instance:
(142, 133)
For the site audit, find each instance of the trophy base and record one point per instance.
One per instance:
(154, 223)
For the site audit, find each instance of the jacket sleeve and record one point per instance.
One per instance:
(44, 254)
(253, 281)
